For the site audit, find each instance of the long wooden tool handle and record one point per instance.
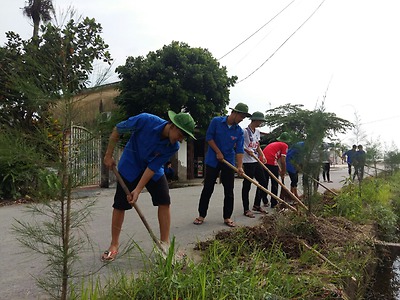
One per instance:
(319, 182)
(259, 186)
(281, 183)
(135, 206)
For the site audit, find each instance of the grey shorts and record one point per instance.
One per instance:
(158, 190)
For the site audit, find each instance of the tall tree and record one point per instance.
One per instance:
(34, 75)
(312, 127)
(175, 77)
(38, 11)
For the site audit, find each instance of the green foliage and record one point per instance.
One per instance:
(45, 234)
(373, 204)
(20, 165)
(312, 127)
(38, 10)
(303, 123)
(176, 77)
(392, 160)
(229, 270)
(49, 185)
(35, 74)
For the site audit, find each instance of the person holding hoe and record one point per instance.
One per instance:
(225, 140)
(251, 166)
(152, 142)
(275, 154)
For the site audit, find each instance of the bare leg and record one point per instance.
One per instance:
(116, 225)
(164, 220)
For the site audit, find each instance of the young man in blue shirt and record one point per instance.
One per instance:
(225, 139)
(151, 144)
(350, 156)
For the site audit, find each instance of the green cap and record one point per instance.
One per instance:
(284, 137)
(183, 121)
(257, 116)
(242, 108)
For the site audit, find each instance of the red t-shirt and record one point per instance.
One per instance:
(274, 151)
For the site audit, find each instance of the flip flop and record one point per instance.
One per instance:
(198, 221)
(109, 255)
(249, 214)
(230, 223)
(259, 209)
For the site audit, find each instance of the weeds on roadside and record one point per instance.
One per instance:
(241, 264)
(230, 269)
(376, 203)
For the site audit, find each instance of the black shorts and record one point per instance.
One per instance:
(159, 192)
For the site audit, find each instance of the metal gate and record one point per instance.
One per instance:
(84, 157)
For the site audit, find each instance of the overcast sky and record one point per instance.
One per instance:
(348, 52)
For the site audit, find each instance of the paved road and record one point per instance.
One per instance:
(17, 267)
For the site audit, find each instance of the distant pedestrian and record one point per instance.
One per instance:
(348, 156)
(359, 163)
(326, 164)
(225, 140)
(275, 154)
(251, 166)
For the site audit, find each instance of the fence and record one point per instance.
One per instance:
(84, 157)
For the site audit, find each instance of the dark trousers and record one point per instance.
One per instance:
(349, 168)
(227, 178)
(253, 170)
(326, 167)
(358, 172)
(274, 184)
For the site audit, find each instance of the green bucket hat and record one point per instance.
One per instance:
(241, 108)
(257, 116)
(183, 121)
(284, 137)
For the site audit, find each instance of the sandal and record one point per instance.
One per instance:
(249, 214)
(109, 255)
(198, 221)
(259, 209)
(229, 223)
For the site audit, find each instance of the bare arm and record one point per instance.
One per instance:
(112, 142)
(282, 164)
(147, 175)
(261, 154)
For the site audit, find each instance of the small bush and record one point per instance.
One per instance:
(20, 165)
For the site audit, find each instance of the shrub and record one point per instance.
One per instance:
(20, 164)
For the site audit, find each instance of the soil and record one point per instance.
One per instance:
(294, 233)
(23, 200)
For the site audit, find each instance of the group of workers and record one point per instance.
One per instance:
(153, 141)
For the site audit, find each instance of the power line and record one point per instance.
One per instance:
(380, 120)
(283, 42)
(256, 31)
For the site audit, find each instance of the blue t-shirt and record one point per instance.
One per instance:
(294, 156)
(228, 139)
(145, 148)
(350, 155)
